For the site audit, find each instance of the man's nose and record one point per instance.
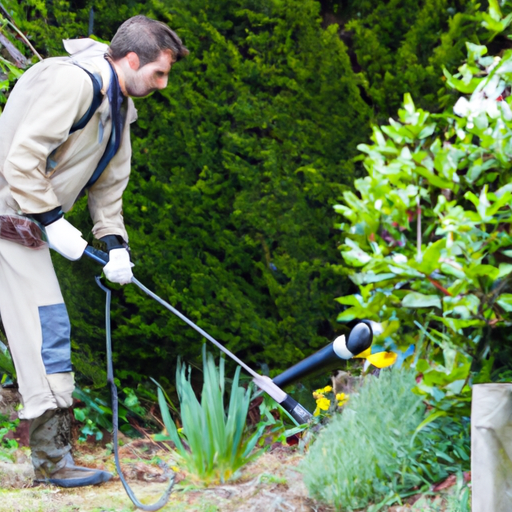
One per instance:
(161, 83)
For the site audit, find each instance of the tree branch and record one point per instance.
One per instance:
(19, 59)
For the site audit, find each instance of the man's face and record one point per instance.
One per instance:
(144, 80)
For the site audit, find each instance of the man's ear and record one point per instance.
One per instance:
(133, 60)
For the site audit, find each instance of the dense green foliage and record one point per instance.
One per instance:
(237, 164)
(400, 46)
(245, 166)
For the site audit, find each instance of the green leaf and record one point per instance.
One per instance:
(419, 300)
(409, 104)
(456, 324)
(434, 179)
(475, 51)
(370, 277)
(505, 301)
(79, 414)
(378, 137)
(482, 271)
(349, 300)
(356, 257)
(6, 364)
(168, 422)
(462, 86)
(427, 131)
(505, 269)
(429, 419)
(431, 255)
(494, 10)
(452, 270)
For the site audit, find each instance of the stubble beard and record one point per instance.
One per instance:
(135, 87)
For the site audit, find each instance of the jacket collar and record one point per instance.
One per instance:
(90, 54)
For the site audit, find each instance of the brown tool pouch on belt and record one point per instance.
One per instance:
(22, 230)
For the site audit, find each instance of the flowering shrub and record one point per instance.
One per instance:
(428, 232)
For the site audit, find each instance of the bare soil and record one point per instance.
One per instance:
(271, 483)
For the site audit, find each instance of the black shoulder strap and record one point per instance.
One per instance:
(96, 102)
(115, 99)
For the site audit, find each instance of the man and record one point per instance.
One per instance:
(65, 129)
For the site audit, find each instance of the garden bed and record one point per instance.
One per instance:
(272, 483)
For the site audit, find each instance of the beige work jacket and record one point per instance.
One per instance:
(42, 166)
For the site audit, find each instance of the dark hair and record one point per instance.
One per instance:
(147, 38)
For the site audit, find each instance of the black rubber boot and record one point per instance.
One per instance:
(51, 453)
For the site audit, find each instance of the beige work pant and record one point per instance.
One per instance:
(37, 327)
(491, 448)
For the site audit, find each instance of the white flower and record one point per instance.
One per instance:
(507, 111)
(479, 103)
(399, 258)
(461, 108)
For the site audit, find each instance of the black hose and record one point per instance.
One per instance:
(115, 416)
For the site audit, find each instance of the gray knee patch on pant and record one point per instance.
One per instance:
(62, 386)
(56, 330)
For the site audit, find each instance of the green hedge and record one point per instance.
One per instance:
(236, 167)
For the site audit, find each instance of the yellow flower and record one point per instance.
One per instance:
(322, 404)
(342, 399)
(380, 360)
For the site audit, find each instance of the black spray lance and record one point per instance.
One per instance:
(327, 358)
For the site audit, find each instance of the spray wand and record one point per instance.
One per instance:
(359, 339)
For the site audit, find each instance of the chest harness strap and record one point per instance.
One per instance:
(115, 98)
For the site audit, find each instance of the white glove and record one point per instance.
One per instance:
(65, 239)
(119, 267)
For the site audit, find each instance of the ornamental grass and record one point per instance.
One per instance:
(213, 443)
(364, 453)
